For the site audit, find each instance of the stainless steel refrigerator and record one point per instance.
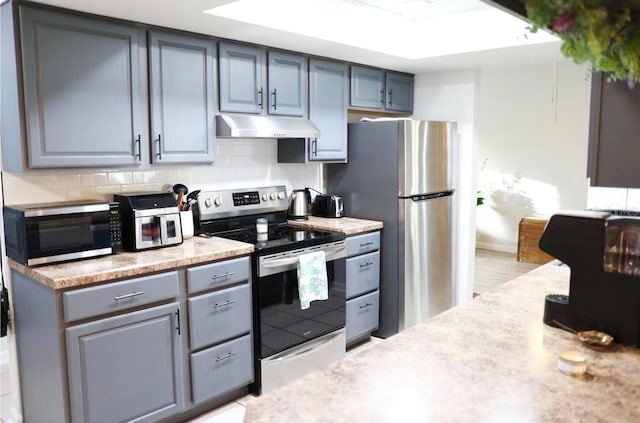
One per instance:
(399, 172)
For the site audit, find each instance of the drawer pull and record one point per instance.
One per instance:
(365, 305)
(224, 275)
(226, 303)
(367, 264)
(125, 296)
(366, 244)
(226, 356)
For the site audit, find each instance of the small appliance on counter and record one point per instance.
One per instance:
(149, 220)
(327, 205)
(299, 204)
(603, 252)
(53, 232)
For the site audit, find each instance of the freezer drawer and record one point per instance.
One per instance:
(222, 368)
(220, 315)
(362, 315)
(362, 274)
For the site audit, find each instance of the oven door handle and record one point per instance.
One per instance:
(286, 261)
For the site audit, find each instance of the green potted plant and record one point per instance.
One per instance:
(604, 33)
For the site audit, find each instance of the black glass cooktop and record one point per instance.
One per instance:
(279, 237)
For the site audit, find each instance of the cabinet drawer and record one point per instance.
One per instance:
(219, 315)
(118, 296)
(364, 243)
(218, 274)
(362, 273)
(222, 368)
(362, 315)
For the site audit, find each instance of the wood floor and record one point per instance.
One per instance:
(494, 268)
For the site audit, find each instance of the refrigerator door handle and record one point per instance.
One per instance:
(430, 196)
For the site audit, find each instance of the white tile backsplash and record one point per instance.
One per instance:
(239, 164)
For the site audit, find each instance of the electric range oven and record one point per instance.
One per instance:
(288, 341)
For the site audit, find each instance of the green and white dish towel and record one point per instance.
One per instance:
(312, 278)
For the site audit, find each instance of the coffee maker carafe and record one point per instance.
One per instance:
(603, 252)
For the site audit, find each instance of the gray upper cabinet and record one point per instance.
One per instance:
(399, 90)
(286, 77)
(240, 78)
(367, 87)
(182, 96)
(82, 90)
(127, 367)
(614, 143)
(381, 90)
(328, 103)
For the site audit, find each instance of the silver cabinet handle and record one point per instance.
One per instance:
(139, 153)
(275, 98)
(224, 275)
(366, 244)
(367, 264)
(390, 97)
(125, 296)
(226, 303)
(260, 101)
(226, 356)
(314, 147)
(159, 142)
(381, 96)
(365, 305)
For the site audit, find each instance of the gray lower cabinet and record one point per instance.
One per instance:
(181, 70)
(127, 367)
(287, 89)
(378, 89)
(144, 349)
(614, 146)
(240, 73)
(361, 272)
(328, 104)
(83, 90)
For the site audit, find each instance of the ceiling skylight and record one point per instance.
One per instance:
(411, 29)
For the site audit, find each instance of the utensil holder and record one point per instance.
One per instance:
(186, 221)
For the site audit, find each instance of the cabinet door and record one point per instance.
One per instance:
(127, 367)
(328, 86)
(287, 93)
(240, 78)
(82, 87)
(399, 92)
(182, 98)
(614, 143)
(367, 87)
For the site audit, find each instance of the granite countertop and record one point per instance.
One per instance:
(490, 359)
(345, 225)
(192, 251)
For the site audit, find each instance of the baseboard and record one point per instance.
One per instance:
(511, 249)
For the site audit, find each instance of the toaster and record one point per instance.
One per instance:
(327, 205)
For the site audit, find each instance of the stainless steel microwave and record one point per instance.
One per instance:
(53, 232)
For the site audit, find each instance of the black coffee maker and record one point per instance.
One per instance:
(603, 252)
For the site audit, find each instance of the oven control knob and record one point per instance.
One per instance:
(272, 196)
(265, 196)
(281, 195)
(207, 202)
(217, 201)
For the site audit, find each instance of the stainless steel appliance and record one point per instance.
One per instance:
(149, 220)
(327, 205)
(300, 204)
(288, 341)
(53, 232)
(399, 172)
(603, 252)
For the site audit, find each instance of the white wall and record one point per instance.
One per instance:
(239, 164)
(449, 96)
(532, 127)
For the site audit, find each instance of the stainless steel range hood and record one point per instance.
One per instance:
(250, 126)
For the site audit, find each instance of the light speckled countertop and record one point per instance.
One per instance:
(192, 251)
(488, 360)
(345, 225)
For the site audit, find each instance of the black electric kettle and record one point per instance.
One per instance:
(299, 204)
